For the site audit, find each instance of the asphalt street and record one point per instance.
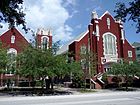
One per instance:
(110, 98)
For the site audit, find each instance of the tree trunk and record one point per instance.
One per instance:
(51, 80)
(126, 83)
(29, 81)
(90, 84)
(42, 86)
(48, 83)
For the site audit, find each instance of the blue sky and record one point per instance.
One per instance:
(85, 7)
(68, 18)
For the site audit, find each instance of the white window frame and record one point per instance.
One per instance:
(42, 46)
(109, 44)
(83, 63)
(13, 39)
(130, 54)
(108, 23)
(83, 49)
(12, 50)
(12, 61)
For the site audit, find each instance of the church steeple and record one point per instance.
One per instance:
(44, 38)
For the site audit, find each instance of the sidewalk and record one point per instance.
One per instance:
(77, 90)
(74, 91)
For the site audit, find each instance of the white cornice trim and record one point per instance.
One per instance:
(107, 12)
(81, 36)
(96, 21)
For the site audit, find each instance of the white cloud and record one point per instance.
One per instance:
(49, 14)
(98, 8)
(73, 13)
(79, 26)
(64, 33)
(4, 28)
(69, 2)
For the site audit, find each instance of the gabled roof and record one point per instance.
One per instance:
(65, 47)
(78, 38)
(136, 44)
(15, 29)
(107, 12)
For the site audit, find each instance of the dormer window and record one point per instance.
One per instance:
(108, 23)
(12, 39)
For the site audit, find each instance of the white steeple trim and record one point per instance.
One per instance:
(122, 35)
(94, 15)
(97, 30)
(121, 25)
(90, 24)
(42, 31)
(96, 21)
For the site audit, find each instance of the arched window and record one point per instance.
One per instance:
(44, 42)
(12, 53)
(12, 39)
(11, 64)
(109, 41)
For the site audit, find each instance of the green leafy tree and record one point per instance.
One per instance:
(28, 63)
(41, 63)
(104, 78)
(55, 47)
(117, 79)
(58, 66)
(125, 70)
(12, 12)
(132, 11)
(89, 62)
(7, 62)
(3, 59)
(76, 73)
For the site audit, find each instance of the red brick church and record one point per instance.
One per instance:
(15, 42)
(105, 36)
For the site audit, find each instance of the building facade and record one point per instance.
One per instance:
(104, 37)
(137, 50)
(16, 43)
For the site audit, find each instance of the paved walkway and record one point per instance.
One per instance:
(77, 91)
(74, 91)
